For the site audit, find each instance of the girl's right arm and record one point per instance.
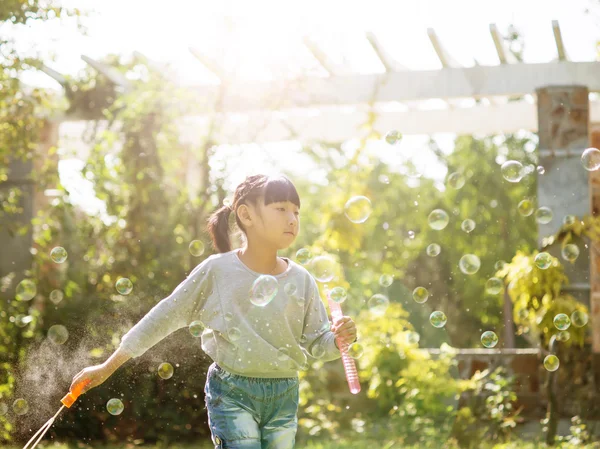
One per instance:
(97, 374)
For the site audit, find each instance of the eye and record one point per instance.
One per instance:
(281, 208)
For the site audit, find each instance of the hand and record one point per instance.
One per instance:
(345, 329)
(96, 375)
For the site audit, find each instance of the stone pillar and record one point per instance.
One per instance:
(563, 124)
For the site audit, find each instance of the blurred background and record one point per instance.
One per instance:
(446, 158)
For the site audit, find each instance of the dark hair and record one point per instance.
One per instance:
(273, 189)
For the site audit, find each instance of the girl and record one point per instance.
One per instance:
(261, 315)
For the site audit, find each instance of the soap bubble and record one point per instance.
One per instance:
(469, 264)
(228, 316)
(563, 336)
(569, 220)
(551, 362)
(378, 304)
(512, 171)
(590, 159)
(438, 219)
(525, 207)
(456, 181)
(386, 280)
(412, 337)
(338, 294)
(165, 370)
(393, 137)
(290, 288)
(264, 289)
(355, 350)
(579, 318)
(543, 215)
(562, 322)
(20, 406)
(26, 290)
(541, 170)
(58, 334)
(420, 294)
(303, 256)
(56, 296)
(489, 339)
(318, 350)
(283, 354)
(234, 334)
(433, 250)
(3, 408)
(196, 328)
(124, 286)
(196, 248)
(543, 260)
(570, 252)
(323, 268)
(23, 320)
(58, 254)
(494, 285)
(358, 209)
(115, 406)
(467, 225)
(499, 265)
(438, 319)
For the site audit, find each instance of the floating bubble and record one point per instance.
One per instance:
(543, 260)
(579, 318)
(438, 319)
(489, 339)
(433, 250)
(569, 220)
(196, 248)
(386, 280)
(58, 334)
(570, 252)
(541, 170)
(228, 316)
(58, 254)
(512, 171)
(323, 268)
(318, 350)
(467, 225)
(303, 256)
(290, 288)
(494, 285)
(378, 304)
(499, 265)
(355, 350)
(338, 294)
(551, 362)
(20, 406)
(234, 334)
(165, 370)
(543, 215)
(420, 295)
(23, 320)
(469, 264)
(264, 289)
(456, 180)
(438, 219)
(124, 286)
(412, 337)
(358, 209)
(196, 328)
(56, 296)
(525, 207)
(563, 336)
(26, 290)
(3, 408)
(393, 137)
(562, 322)
(303, 338)
(283, 354)
(590, 159)
(115, 406)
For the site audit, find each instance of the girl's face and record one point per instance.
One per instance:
(280, 223)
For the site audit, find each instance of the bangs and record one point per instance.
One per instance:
(280, 189)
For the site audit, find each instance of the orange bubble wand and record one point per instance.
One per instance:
(67, 401)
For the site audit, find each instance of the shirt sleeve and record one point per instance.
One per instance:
(319, 340)
(171, 313)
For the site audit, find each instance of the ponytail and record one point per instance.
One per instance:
(218, 228)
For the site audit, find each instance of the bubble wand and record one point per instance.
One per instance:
(67, 401)
(347, 361)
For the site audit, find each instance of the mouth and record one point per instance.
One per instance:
(290, 233)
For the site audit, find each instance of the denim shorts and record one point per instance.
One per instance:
(251, 412)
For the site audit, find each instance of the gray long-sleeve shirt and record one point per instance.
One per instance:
(246, 339)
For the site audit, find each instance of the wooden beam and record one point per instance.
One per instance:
(209, 63)
(321, 56)
(390, 64)
(560, 46)
(412, 85)
(445, 58)
(55, 75)
(504, 55)
(111, 73)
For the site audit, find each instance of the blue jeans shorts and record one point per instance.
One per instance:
(251, 412)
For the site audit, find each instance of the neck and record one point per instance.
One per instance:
(262, 260)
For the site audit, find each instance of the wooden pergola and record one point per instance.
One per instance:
(555, 99)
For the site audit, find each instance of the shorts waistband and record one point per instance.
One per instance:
(239, 376)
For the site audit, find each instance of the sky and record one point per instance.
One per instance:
(262, 39)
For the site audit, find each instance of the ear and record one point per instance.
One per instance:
(245, 215)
